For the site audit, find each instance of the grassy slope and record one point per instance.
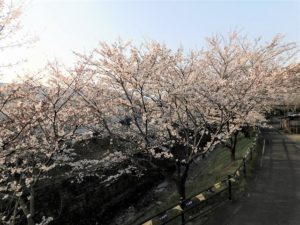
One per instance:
(218, 166)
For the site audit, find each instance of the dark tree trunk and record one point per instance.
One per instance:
(232, 154)
(32, 202)
(26, 212)
(181, 178)
(181, 190)
(233, 141)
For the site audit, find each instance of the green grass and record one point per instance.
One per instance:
(218, 166)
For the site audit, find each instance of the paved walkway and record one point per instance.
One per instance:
(274, 195)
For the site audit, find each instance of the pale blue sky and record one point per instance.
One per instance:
(66, 25)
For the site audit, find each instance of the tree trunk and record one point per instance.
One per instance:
(32, 202)
(26, 212)
(232, 154)
(233, 146)
(181, 180)
(181, 190)
(13, 216)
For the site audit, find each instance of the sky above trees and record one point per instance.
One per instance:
(78, 25)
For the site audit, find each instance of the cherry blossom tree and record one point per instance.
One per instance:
(9, 22)
(156, 105)
(10, 30)
(39, 122)
(246, 75)
(288, 97)
(156, 90)
(233, 79)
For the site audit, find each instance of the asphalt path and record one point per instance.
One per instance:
(273, 197)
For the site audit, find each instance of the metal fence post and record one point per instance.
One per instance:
(244, 167)
(229, 188)
(251, 151)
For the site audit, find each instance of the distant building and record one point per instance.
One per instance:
(291, 123)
